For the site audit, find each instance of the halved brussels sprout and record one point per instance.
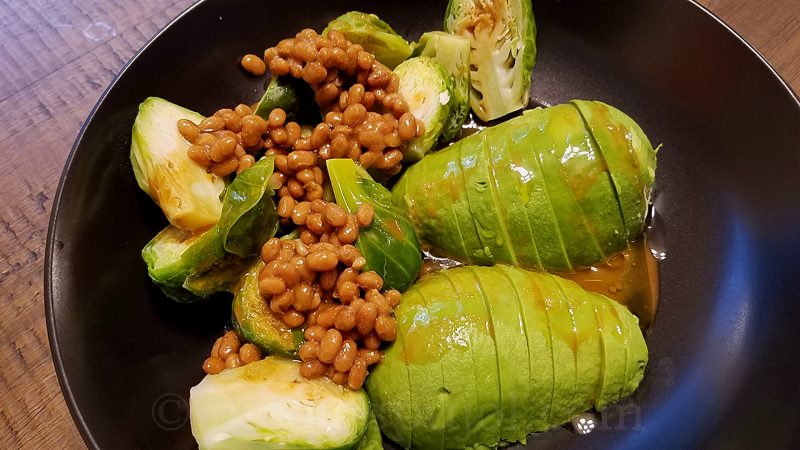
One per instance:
(190, 265)
(452, 51)
(503, 37)
(188, 195)
(375, 35)
(267, 404)
(427, 87)
(389, 244)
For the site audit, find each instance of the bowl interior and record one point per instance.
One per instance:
(722, 348)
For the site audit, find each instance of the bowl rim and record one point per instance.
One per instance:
(49, 281)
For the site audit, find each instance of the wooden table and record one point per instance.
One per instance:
(56, 58)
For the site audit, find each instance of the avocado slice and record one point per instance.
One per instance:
(630, 158)
(505, 178)
(391, 375)
(636, 349)
(442, 202)
(429, 399)
(483, 201)
(512, 352)
(614, 351)
(590, 350)
(552, 142)
(255, 322)
(452, 329)
(536, 199)
(537, 333)
(564, 347)
(591, 184)
(484, 356)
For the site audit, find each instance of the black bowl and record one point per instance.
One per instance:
(723, 349)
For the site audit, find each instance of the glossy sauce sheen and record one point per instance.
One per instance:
(629, 277)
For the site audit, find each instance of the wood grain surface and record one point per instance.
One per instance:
(56, 58)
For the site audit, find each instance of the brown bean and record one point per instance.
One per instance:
(293, 132)
(300, 213)
(226, 167)
(315, 223)
(340, 378)
(301, 160)
(407, 126)
(281, 302)
(242, 110)
(379, 77)
(357, 375)
(303, 294)
(346, 356)
(322, 261)
(314, 73)
(213, 123)
(330, 345)
(309, 350)
(354, 114)
(346, 275)
(305, 51)
(359, 263)
(348, 233)
(271, 286)
(233, 361)
(347, 254)
(277, 117)
(213, 366)
(371, 341)
(230, 344)
(327, 280)
(245, 162)
(286, 206)
(295, 189)
(369, 280)
(364, 214)
(370, 356)
(335, 215)
(270, 250)
(215, 348)
(345, 319)
(367, 314)
(392, 297)
(400, 107)
(308, 237)
(314, 332)
(188, 129)
(199, 154)
(254, 65)
(347, 291)
(365, 60)
(249, 353)
(386, 328)
(327, 318)
(326, 94)
(312, 369)
(293, 319)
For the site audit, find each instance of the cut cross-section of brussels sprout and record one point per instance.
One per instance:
(389, 244)
(503, 37)
(452, 51)
(375, 35)
(427, 87)
(187, 194)
(267, 404)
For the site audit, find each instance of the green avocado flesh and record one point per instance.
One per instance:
(256, 323)
(542, 190)
(488, 355)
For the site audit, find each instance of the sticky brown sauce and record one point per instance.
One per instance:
(629, 277)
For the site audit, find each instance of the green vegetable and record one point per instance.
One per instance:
(255, 321)
(536, 190)
(248, 212)
(293, 96)
(389, 244)
(188, 266)
(537, 349)
(427, 87)
(452, 52)
(503, 41)
(375, 35)
(371, 440)
(267, 404)
(186, 193)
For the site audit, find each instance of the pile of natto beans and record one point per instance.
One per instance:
(317, 280)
